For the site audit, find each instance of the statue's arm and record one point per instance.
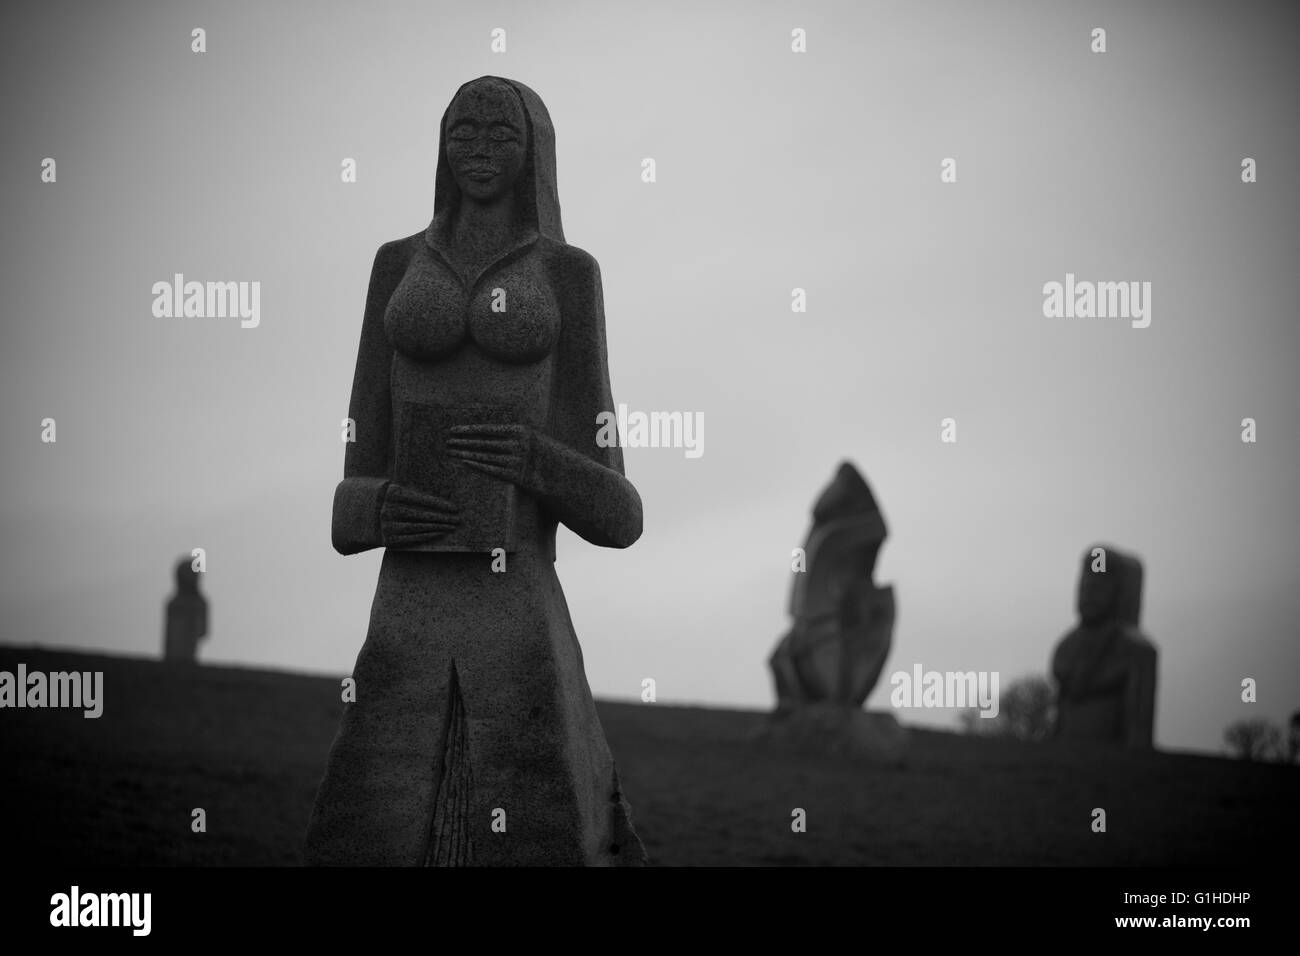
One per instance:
(1059, 669)
(574, 470)
(1060, 685)
(1140, 695)
(359, 497)
(594, 501)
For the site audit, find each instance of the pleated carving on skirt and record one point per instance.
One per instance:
(449, 834)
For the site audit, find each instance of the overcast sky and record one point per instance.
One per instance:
(775, 170)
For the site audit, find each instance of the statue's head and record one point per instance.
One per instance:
(1098, 591)
(1113, 594)
(486, 136)
(187, 579)
(846, 496)
(847, 534)
(497, 139)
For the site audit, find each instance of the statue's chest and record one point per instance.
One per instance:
(510, 312)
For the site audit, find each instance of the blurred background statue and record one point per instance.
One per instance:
(842, 626)
(185, 617)
(1105, 669)
(842, 622)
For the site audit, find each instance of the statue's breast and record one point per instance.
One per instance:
(511, 313)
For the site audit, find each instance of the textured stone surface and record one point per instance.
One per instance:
(842, 625)
(1105, 669)
(185, 618)
(480, 374)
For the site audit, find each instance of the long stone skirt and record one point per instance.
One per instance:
(473, 739)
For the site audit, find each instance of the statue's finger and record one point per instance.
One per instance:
(405, 513)
(408, 497)
(480, 444)
(495, 471)
(502, 460)
(418, 527)
(485, 430)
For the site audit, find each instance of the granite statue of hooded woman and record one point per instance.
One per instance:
(473, 739)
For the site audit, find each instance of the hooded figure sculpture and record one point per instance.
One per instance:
(473, 738)
(1105, 669)
(842, 622)
(185, 616)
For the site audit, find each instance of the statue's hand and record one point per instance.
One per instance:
(409, 517)
(501, 451)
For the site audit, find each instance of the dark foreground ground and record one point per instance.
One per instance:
(248, 746)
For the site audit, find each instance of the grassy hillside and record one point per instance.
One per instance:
(249, 746)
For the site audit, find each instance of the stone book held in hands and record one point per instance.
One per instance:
(487, 504)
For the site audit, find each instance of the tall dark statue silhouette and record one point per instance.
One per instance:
(1105, 669)
(481, 370)
(842, 626)
(185, 617)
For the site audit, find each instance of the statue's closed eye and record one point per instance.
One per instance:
(500, 132)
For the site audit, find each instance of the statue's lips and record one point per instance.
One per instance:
(480, 174)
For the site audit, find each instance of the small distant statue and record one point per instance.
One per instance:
(842, 626)
(1105, 669)
(185, 617)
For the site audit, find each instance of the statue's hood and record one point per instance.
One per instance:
(536, 189)
(1128, 596)
(847, 495)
